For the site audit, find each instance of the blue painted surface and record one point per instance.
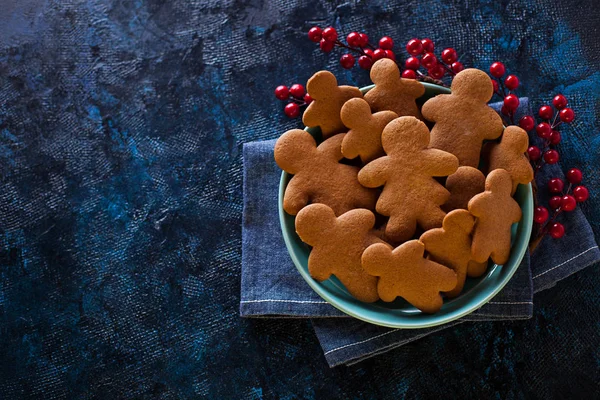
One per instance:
(121, 126)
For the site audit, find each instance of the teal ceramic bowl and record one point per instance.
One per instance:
(400, 314)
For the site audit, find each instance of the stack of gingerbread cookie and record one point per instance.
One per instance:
(392, 208)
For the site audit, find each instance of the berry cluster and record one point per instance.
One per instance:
(297, 96)
(547, 131)
(365, 54)
(422, 55)
(504, 89)
(357, 43)
(562, 200)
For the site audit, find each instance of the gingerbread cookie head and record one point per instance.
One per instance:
(473, 84)
(364, 137)
(403, 272)
(410, 196)
(318, 175)
(465, 183)
(392, 92)
(450, 245)
(463, 120)
(509, 154)
(328, 98)
(338, 244)
(495, 211)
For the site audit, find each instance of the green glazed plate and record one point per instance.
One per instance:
(400, 314)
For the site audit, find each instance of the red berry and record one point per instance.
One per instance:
(534, 153)
(414, 47)
(364, 39)
(557, 230)
(427, 45)
(368, 52)
(282, 92)
(365, 62)
(555, 137)
(556, 185)
(412, 63)
(437, 72)
(559, 101)
(390, 54)
(409, 74)
(297, 90)
(504, 110)
(347, 61)
(449, 55)
(307, 99)
(568, 203)
(495, 85)
(353, 39)
(292, 110)
(497, 69)
(543, 130)
(511, 82)
(527, 122)
(540, 214)
(429, 60)
(551, 156)
(554, 202)
(574, 176)
(546, 112)
(566, 115)
(581, 194)
(457, 67)
(315, 34)
(386, 43)
(330, 34)
(326, 45)
(378, 54)
(511, 102)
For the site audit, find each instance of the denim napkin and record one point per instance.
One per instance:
(272, 287)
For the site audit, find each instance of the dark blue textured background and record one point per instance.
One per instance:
(121, 128)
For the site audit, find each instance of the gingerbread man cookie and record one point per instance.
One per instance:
(338, 244)
(496, 211)
(403, 272)
(318, 175)
(364, 137)
(450, 245)
(465, 183)
(509, 154)
(411, 196)
(328, 99)
(393, 93)
(463, 120)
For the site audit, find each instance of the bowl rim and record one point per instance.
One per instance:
(436, 319)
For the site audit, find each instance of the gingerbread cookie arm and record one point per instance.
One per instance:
(494, 123)
(439, 162)
(476, 269)
(332, 147)
(359, 220)
(375, 173)
(295, 196)
(414, 88)
(430, 109)
(310, 118)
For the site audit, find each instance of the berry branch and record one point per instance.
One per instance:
(561, 201)
(297, 97)
(547, 131)
(504, 90)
